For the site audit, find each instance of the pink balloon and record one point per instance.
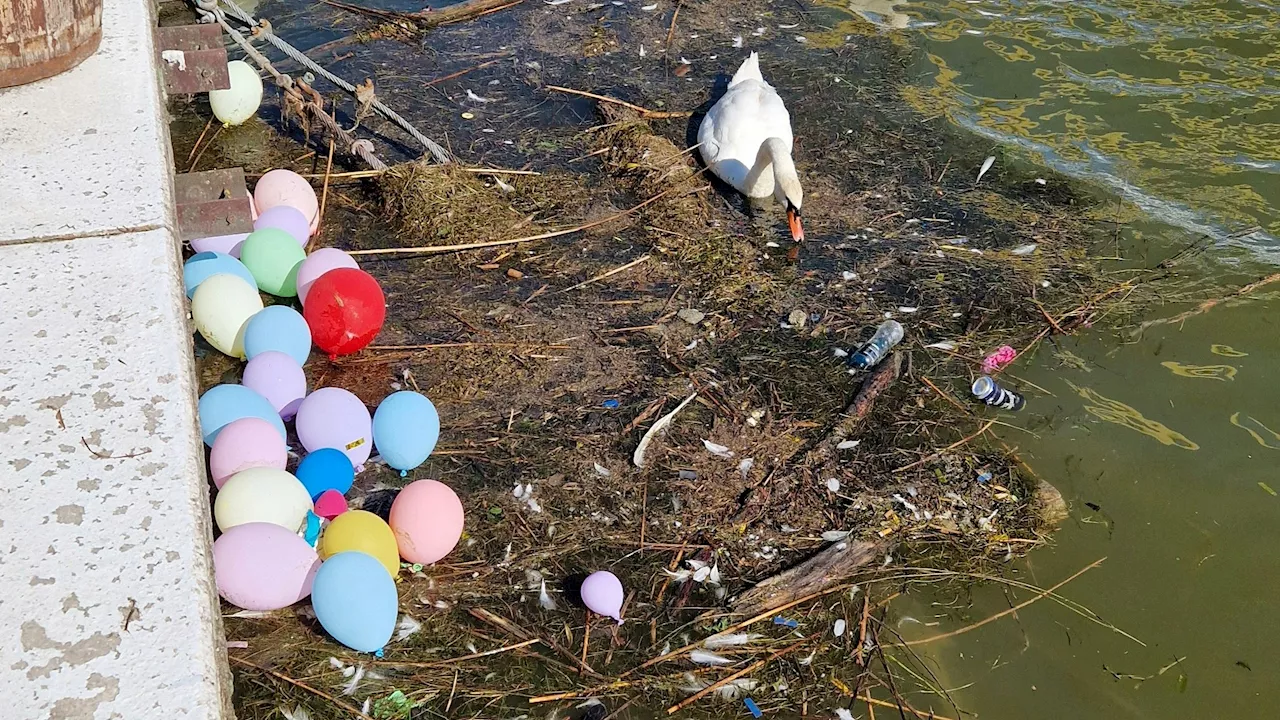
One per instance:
(286, 218)
(246, 443)
(319, 263)
(427, 519)
(602, 594)
(225, 244)
(285, 187)
(262, 566)
(334, 418)
(330, 504)
(277, 377)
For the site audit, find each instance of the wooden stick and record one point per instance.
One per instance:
(586, 638)
(324, 195)
(739, 626)
(744, 671)
(644, 112)
(870, 701)
(1010, 611)
(615, 271)
(438, 249)
(1208, 304)
(460, 73)
(432, 18)
(952, 446)
(279, 676)
(451, 661)
(200, 154)
(442, 346)
(199, 139)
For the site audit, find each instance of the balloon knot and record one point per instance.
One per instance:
(619, 620)
(333, 357)
(404, 473)
(378, 654)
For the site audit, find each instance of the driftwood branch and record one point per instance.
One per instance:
(879, 380)
(814, 575)
(428, 19)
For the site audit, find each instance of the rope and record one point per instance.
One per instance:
(263, 29)
(295, 92)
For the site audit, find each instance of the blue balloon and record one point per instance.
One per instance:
(326, 469)
(355, 601)
(406, 427)
(205, 265)
(279, 328)
(224, 404)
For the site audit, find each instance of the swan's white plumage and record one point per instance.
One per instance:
(731, 134)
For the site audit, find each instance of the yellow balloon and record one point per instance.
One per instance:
(363, 531)
(239, 102)
(220, 309)
(262, 494)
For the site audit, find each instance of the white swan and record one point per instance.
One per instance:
(745, 139)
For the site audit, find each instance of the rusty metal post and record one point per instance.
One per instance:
(42, 38)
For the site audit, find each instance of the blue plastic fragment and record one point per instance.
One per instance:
(751, 705)
(984, 478)
(313, 528)
(611, 404)
(779, 620)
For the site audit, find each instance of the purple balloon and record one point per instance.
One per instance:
(319, 263)
(602, 594)
(225, 244)
(288, 219)
(277, 377)
(334, 418)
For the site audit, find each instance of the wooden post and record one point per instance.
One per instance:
(41, 38)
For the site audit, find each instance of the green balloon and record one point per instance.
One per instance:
(273, 256)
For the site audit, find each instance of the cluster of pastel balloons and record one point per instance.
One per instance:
(289, 535)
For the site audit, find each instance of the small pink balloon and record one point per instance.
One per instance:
(277, 377)
(225, 244)
(334, 418)
(602, 594)
(427, 520)
(246, 443)
(285, 187)
(318, 263)
(330, 504)
(286, 218)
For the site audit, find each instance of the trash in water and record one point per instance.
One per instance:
(688, 475)
(751, 705)
(798, 318)
(998, 359)
(610, 404)
(833, 485)
(984, 478)
(788, 622)
(839, 628)
(990, 392)
(887, 335)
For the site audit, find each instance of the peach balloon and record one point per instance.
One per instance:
(285, 187)
(427, 519)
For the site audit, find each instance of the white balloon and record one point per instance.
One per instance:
(220, 309)
(240, 101)
(262, 495)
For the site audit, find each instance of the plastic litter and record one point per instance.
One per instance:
(889, 333)
(751, 706)
(788, 622)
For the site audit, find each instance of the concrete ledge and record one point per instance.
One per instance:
(109, 608)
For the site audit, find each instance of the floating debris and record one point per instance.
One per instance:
(1025, 249)
(848, 444)
(986, 165)
(703, 657)
(638, 456)
(835, 535)
(408, 626)
(717, 449)
(833, 484)
(545, 601)
(786, 622)
(732, 640)
(691, 316)
(752, 707)
(839, 628)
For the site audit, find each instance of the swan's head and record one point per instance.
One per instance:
(788, 193)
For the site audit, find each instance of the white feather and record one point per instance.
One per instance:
(354, 683)
(843, 714)
(638, 456)
(407, 627)
(986, 165)
(544, 598)
(717, 449)
(702, 657)
(720, 641)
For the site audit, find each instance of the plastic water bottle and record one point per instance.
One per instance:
(887, 335)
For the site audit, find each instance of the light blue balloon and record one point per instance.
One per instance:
(224, 404)
(326, 469)
(406, 427)
(205, 265)
(279, 328)
(355, 601)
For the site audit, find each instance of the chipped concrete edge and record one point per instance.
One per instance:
(183, 670)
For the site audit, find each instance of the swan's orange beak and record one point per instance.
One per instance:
(793, 221)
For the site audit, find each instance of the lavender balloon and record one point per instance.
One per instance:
(602, 594)
(334, 418)
(277, 377)
(225, 244)
(318, 263)
(289, 219)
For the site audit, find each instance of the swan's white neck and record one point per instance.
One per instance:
(774, 154)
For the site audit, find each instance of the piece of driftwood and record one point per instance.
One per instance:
(430, 18)
(879, 380)
(41, 38)
(837, 562)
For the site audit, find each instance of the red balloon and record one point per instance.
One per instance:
(345, 309)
